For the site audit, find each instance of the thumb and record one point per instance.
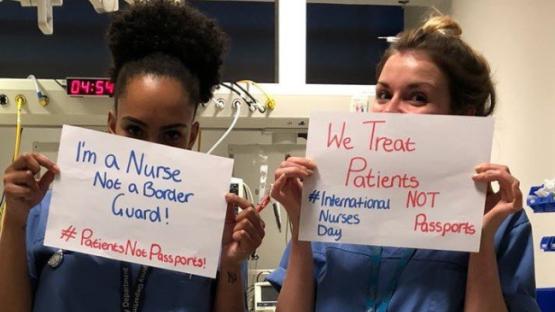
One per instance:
(229, 224)
(46, 180)
(230, 213)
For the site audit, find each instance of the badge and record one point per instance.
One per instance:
(56, 259)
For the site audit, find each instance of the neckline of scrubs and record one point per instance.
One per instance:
(376, 304)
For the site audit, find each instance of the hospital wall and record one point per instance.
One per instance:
(518, 39)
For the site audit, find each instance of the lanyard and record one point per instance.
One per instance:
(376, 304)
(132, 300)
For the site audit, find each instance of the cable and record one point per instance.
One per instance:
(267, 272)
(60, 84)
(277, 215)
(235, 118)
(43, 98)
(244, 91)
(270, 101)
(249, 95)
(20, 101)
(230, 87)
(246, 193)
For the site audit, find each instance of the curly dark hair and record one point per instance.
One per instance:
(166, 38)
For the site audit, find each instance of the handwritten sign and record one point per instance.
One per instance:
(401, 180)
(140, 202)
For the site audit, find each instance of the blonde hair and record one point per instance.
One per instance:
(442, 24)
(467, 71)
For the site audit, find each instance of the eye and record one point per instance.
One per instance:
(418, 98)
(134, 131)
(172, 137)
(382, 96)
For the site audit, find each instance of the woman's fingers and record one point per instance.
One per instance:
(510, 198)
(250, 219)
(290, 173)
(302, 164)
(25, 167)
(33, 162)
(488, 166)
(518, 201)
(301, 161)
(234, 201)
(279, 183)
(247, 243)
(293, 172)
(289, 164)
(19, 192)
(25, 162)
(251, 229)
(284, 177)
(47, 163)
(237, 201)
(46, 180)
(22, 178)
(500, 175)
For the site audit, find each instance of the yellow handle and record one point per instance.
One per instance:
(20, 100)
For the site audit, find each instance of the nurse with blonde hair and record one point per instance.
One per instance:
(428, 70)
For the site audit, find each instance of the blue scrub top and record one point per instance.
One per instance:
(88, 283)
(431, 281)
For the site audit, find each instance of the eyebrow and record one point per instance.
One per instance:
(135, 120)
(142, 123)
(177, 125)
(383, 84)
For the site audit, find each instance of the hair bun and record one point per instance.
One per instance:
(170, 28)
(442, 24)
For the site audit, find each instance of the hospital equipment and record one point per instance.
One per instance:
(542, 198)
(45, 16)
(548, 243)
(265, 297)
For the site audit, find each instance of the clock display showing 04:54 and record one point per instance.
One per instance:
(89, 87)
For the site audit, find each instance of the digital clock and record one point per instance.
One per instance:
(89, 87)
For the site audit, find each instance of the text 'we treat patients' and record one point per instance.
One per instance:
(399, 180)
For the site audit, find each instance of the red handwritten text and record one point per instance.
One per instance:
(340, 140)
(360, 176)
(131, 248)
(421, 199)
(421, 224)
(388, 145)
(175, 260)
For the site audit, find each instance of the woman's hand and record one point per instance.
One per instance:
(243, 233)
(298, 291)
(23, 191)
(506, 201)
(288, 186)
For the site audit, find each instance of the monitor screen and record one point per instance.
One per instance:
(269, 293)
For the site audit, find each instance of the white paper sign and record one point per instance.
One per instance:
(401, 180)
(140, 202)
